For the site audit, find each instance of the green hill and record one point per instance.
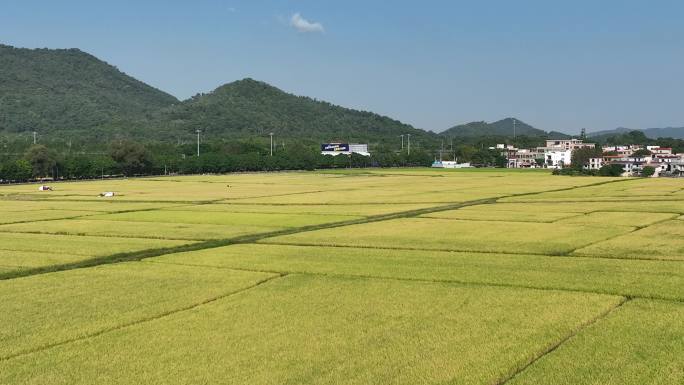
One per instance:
(652, 133)
(249, 108)
(502, 127)
(70, 92)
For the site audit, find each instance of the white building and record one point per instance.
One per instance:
(557, 158)
(595, 163)
(656, 150)
(568, 144)
(524, 158)
(449, 164)
(623, 150)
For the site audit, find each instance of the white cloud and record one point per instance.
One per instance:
(302, 25)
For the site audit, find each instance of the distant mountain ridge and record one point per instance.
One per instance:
(501, 128)
(653, 133)
(70, 93)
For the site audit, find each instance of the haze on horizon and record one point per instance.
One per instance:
(432, 64)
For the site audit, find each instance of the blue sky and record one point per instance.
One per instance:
(557, 65)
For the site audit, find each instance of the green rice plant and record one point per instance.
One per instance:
(625, 190)
(583, 206)
(663, 240)
(314, 330)
(642, 342)
(226, 218)
(7, 206)
(49, 309)
(125, 229)
(12, 260)
(489, 213)
(632, 278)
(340, 209)
(456, 235)
(637, 219)
(79, 245)
(39, 215)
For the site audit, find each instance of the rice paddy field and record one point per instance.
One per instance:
(401, 276)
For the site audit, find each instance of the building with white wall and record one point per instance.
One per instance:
(557, 158)
(568, 144)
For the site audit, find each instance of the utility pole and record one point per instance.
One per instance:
(514, 123)
(452, 148)
(441, 151)
(198, 140)
(271, 143)
(402, 142)
(409, 144)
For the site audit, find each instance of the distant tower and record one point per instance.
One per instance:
(583, 134)
(514, 123)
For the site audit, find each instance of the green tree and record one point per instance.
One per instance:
(611, 170)
(464, 153)
(131, 157)
(488, 158)
(647, 171)
(41, 159)
(641, 153)
(17, 171)
(581, 156)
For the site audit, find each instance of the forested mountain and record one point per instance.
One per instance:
(617, 131)
(69, 91)
(502, 127)
(653, 133)
(249, 108)
(665, 132)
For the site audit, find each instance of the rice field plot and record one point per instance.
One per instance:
(13, 260)
(38, 215)
(226, 218)
(432, 186)
(74, 247)
(339, 209)
(140, 190)
(491, 212)
(372, 196)
(315, 330)
(458, 235)
(623, 190)
(636, 219)
(103, 206)
(129, 229)
(49, 309)
(642, 342)
(588, 206)
(632, 278)
(663, 240)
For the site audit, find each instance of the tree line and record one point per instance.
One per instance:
(131, 158)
